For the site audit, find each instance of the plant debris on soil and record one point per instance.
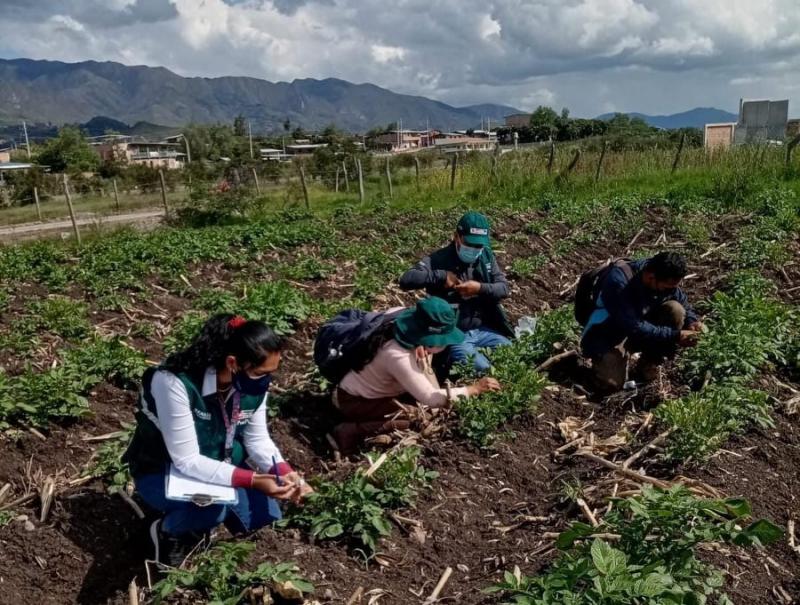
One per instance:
(488, 511)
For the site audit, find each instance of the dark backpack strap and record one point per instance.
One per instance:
(625, 265)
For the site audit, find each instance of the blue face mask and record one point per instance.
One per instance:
(468, 254)
(251, 386)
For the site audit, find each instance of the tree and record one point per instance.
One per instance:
(69, 152)
(239, 126)
(544, 123)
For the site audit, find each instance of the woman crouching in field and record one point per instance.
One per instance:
(204, 411)
(398, 366)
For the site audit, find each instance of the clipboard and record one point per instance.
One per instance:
(182, 488)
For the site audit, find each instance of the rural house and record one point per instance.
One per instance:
(137, 150)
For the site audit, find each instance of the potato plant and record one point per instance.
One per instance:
(703, 421)
(652, 558)
(480, 418)
(748, 329)
(356, 509)
(217, 577)
(35, 398)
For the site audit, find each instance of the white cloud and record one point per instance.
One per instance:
(647, 55)
(385, 54)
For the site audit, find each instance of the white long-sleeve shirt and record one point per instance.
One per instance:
(178, 430)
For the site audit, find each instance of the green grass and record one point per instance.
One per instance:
(55, 208)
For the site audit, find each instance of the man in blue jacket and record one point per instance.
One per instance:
(466, 274)
(639, 307)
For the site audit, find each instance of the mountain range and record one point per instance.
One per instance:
(694, 118)
(58, 93)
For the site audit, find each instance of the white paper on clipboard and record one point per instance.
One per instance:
(181, 487)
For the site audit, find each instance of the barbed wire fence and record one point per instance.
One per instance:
(307, 182)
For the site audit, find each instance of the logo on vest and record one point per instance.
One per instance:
(202, 415)
(244, 417)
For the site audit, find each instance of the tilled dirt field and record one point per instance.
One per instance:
(486, 512)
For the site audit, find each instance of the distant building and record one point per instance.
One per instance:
(518, 120)
(719, 136)
(400, 141)
(761, 121)
(273, 155)
(5, 156)
(304, 148)
(137, 150)
(454, 142)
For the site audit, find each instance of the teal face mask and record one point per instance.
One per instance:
(468, 254)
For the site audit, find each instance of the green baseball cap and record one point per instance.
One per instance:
(473, 227)
(431, 323)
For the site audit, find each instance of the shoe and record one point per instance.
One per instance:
(171, 550)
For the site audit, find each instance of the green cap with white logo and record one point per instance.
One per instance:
(473, 227)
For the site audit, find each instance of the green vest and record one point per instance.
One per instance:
(148, 453)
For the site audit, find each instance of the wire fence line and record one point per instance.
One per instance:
(307, 180)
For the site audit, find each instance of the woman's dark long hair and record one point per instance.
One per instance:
(364, 354)
(248, 341)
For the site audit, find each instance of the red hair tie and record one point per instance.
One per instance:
(236, 322)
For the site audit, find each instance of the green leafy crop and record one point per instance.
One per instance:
(479, 418)
(355, 509)
(107, 461)
(748, 329)
(217, 576)
(646, 555)
(702, 422)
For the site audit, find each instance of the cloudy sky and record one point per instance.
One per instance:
(593, 56)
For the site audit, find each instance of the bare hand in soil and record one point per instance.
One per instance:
(697, 326)
(451, 281)
(468, 288)
(688, 338)
(484, 385)
(267, 485)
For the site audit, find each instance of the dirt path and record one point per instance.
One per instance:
(36, 230)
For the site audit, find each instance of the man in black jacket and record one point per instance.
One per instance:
(639, 307)
(465, 273)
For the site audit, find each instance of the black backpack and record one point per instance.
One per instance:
(341, 342)
(589, 286)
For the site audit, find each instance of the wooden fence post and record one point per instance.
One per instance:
(305, 186)
(255, 179)
(453, 168)
(416, 170)
(36, 201)
(346, 178)
(495, 161)
(552, 156)
(678, 154)
(790, 148)
(71, 210)
(600, 161)
(564, 175)
(116, 194)
(389, 178)
(360, 181)
(337, 179)
(163, 191)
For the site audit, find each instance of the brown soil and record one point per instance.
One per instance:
(92, 544)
